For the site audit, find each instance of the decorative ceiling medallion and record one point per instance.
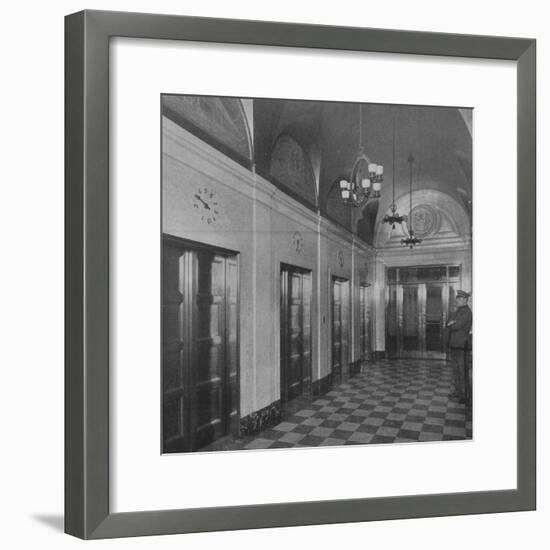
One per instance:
(297, 242)
(425, 220)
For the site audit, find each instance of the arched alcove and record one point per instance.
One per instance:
(336, 209)
(220, 121)
(291, 167)
(438, 219)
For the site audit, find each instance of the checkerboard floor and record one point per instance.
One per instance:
(388, 402)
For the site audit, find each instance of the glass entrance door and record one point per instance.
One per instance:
(418, 302)
(434, 320)
(410, 325)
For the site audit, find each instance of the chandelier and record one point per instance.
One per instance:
(411, 240)
(366, 177)
(394, 217)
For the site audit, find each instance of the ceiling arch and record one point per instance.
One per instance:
(443, 220)
(329, 134)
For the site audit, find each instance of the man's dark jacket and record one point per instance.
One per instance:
(460, 331)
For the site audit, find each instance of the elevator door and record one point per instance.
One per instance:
(364, 340)
(200, 345)
(295, 332)
(340, 326)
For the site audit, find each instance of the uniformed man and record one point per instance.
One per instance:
(459, 325)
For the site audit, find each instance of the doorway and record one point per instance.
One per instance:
(295, 332)
(200, 345)
(364, 323)
(340, 327)
(418, 303)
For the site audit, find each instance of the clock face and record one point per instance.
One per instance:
(205, 202)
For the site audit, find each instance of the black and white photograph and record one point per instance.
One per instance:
(316, 273)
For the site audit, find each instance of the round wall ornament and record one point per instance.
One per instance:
(425, 220)
(297, 242)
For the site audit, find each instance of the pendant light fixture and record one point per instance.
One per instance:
(366, 177)
(394, 217)
(410, 240)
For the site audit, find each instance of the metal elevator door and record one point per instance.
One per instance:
(295, 332)
(199, 345)
(340, 327)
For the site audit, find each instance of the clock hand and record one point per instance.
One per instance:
(203, 202)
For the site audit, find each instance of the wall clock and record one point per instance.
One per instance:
(205, 202)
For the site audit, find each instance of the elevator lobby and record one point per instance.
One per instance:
(293, 317)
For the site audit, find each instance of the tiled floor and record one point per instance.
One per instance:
(391, 401)
(388, 402)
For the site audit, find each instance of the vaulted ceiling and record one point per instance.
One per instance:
(439, 138)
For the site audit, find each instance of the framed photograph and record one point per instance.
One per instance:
(300, 274)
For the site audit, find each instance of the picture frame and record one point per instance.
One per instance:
(87, 339)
